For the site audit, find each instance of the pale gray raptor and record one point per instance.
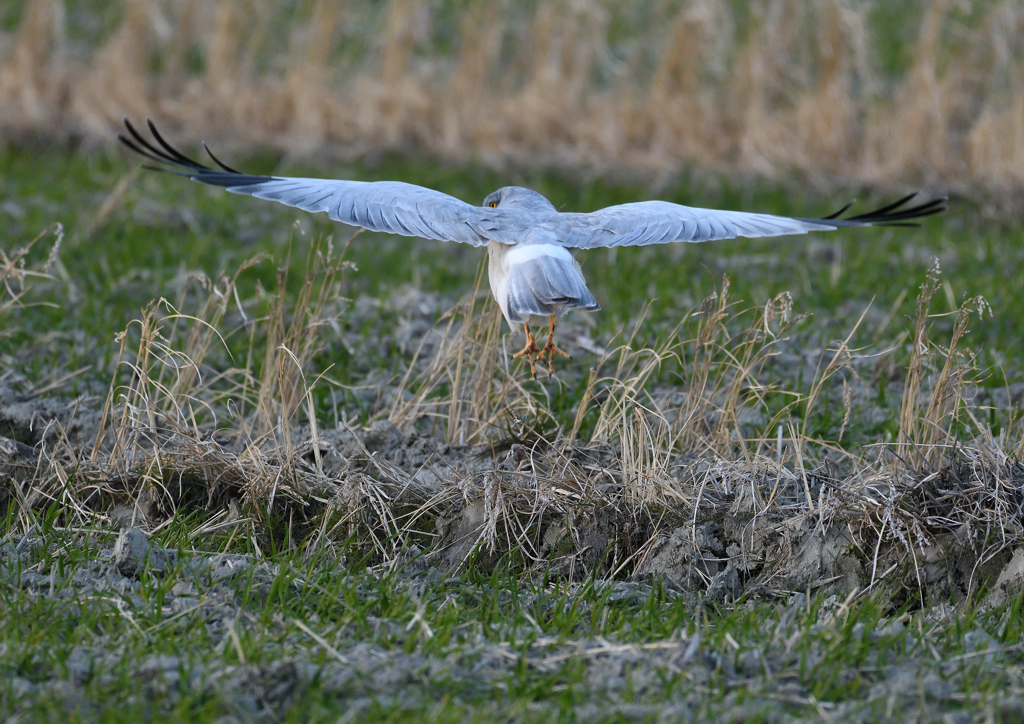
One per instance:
(533, 274)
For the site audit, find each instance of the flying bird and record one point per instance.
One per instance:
(532, 270)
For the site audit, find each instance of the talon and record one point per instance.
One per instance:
(551, 349)
(530, 351)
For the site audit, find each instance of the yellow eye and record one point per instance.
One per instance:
(493, 204)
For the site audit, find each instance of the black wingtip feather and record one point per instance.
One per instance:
(896, 213)
(150, 151)
(837, 214)
(171, 160)
(175, 153)
(218, 161)
(145, 154)
(886, 209)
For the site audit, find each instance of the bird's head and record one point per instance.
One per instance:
(516, 197)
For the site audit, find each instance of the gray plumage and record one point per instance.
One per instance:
(530, 243)
(545, 286)
(400, 208)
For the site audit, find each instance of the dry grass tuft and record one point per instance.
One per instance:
(467, 385)
(711, 476)
(926, 432)
(17, 275)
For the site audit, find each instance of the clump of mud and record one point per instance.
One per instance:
(464, 464)
(556, 507)
(29, 420)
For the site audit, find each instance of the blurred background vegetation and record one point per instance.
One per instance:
(861, 92)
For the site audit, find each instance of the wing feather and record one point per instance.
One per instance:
(661, 222)
(387, 206)
(400, 208)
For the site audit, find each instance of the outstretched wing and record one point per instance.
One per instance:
(388, 206)
(661, 222)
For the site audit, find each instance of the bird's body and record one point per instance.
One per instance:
(532, 271)
(535, 278)
(533, 281)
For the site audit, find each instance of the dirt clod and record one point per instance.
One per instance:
(1010, 581)
(17, 460)
(34, 419)
(133, 553)
(725, 586)
(383, 437)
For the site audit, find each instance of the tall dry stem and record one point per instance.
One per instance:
(926, 433)
(469, 385)
(16, 276)
(910, 417)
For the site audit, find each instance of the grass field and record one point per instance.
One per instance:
(269, 636)
(499, 553)
(257, 467)
(130, 244)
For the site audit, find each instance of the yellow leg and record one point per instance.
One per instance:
(551, 349)
(530, 351)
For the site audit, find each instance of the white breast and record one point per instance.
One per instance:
(497, 274)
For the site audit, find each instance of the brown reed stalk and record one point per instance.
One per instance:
(910, 417)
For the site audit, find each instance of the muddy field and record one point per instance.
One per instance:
(257, 467)
(383, 666)
(252, 471)
(706, 527)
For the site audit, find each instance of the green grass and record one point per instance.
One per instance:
(234, 639)
(164, 228)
